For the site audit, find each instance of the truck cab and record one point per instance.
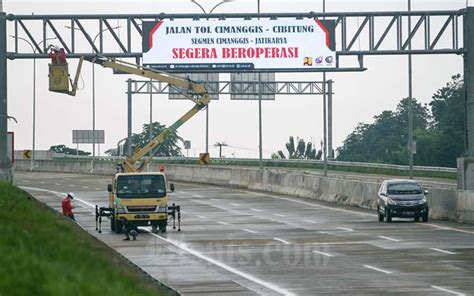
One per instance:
(139, 198)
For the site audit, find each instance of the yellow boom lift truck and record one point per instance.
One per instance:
(140, 197)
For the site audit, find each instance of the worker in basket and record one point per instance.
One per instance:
(57, 55)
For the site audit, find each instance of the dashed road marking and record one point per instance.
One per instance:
(202, 217)
(447, 291)
(248, 230)
(235, 204)
(256, 210)
(346, 229)
(443, 251)
(85, 187)
(223, 223)
(282, 241)
(310, 221)
(196, 195)
(377, 269)
(70, 185)
(323, 253)
(214, 199)
(389, 238)
(280, 215)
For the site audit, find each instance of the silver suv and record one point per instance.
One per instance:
(402, 198)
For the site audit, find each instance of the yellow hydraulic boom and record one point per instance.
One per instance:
(194, 91)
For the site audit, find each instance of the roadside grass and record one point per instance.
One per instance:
(42, 253)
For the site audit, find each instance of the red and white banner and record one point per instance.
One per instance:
(239, 45)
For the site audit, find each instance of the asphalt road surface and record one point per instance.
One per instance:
(240, 242)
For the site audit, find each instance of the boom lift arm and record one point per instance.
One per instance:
(194, 91)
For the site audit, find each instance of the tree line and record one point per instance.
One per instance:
(438, 131)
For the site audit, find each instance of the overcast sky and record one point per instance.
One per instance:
(358, 96)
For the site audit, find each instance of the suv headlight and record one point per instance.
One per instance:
(391, 201)
(423, 200)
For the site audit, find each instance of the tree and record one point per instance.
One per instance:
(302, 150)
(444, 141)
(168, 148)
(385, 140)
(66, 150)
(439, 135)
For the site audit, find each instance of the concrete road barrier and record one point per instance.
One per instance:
(448, 204)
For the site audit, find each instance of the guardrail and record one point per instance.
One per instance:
(303, 163)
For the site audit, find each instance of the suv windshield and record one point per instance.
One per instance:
(404, 188)
(141, 186)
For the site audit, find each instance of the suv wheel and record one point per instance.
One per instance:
(425, 217)
(380, 215)
(387, 216)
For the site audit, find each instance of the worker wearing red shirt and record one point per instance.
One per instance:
(67, 206)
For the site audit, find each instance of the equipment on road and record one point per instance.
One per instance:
(140, 197)
(59, 78)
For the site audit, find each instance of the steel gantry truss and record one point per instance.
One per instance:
(238, 87)
(361, 33)
(357, 34)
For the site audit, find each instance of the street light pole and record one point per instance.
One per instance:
(32, 163)
(410, 103)
(207, 74)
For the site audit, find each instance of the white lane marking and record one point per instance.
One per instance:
(214, 199)
(256, 210)
(61, 194)
(280, 215)
(202, 217)
(310, 221)
(446, 228)
(377, 269)
(70, 185)
(282, 240)
(346, 229)
(57, 184)
(196, 195)
(41, 182)
(443, 251)
(324, 254)
(223, 223)
(26, 181)
(85, 187)
(325, 232)
(248, 230)
(184, 212)
(183, 247)
(235, 204)
(389, 238)
(448, 291)
(222, 265)
(97, 189)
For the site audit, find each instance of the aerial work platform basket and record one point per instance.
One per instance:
(59, 78)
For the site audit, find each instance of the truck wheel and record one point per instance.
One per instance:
(112, 224)
(154, 228)
(118, 226)
(162, 227)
